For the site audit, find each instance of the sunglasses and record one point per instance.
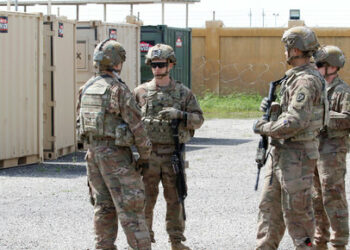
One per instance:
(320, 64)
(159, 64)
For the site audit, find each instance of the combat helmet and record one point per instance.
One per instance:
(302, 38)
(160, 51)
(107, 54)
(331, 55)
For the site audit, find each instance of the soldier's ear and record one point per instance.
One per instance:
(170, 65)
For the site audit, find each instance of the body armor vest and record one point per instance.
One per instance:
(96, 122)
(159, 129)
(320, 112)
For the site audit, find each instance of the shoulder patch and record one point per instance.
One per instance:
(300, 97)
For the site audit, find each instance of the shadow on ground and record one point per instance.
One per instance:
(217, 141)
(68, 166)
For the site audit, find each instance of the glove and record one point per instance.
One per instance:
(263, 105)
(258, 126)
(141, 164)
(171, 113)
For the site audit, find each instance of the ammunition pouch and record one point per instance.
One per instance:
(160, 132)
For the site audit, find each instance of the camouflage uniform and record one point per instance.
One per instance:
(287, 200)
(330, 203)
(152, 100)
(107, 107)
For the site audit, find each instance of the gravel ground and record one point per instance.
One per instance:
(46, 206)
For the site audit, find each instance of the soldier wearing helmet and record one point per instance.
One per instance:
(287, 194)
(110, 123)
(162, 100)
(330, 203)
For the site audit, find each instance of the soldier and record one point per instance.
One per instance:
(110, 122)
(287, 194)
(330, 203)
(161, 100)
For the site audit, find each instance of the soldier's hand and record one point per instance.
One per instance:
(171, 113)
(258, 126)
(264, 104)
(141, 164)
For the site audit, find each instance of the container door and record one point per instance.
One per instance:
(150, 36)
(180, 40)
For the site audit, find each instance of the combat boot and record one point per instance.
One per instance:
(179, 246)
(321, 247)
(337, 248)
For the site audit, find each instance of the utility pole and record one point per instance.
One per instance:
(214, 15)
(250, 17)
(275, 15)
(263, 17)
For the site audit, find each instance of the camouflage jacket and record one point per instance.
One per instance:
(303, 101)
(335, 137)
(175, 95)
(123, 105)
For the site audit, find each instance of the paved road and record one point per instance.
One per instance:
(46, 206)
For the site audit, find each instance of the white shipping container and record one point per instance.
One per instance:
(90, 33)
(21, 81)
(59, 86)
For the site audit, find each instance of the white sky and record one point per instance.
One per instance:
(323, 13)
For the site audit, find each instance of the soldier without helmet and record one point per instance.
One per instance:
(287, 200)
(161, 100)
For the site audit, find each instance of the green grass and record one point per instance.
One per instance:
(236, 105)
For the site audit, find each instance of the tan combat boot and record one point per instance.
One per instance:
(179, 246)
(320, 247)
(337, 248)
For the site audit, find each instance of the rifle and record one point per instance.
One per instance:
(261, 156)
(177, 162)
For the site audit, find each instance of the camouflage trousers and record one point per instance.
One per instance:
(330, 205)
(118, 192)
(287, 200)
(160, 170)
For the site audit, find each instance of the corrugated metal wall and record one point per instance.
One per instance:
(90, 33)
(21, 89)
(59, 86)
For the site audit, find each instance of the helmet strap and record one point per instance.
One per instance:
(329, 74)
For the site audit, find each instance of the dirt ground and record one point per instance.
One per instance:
(46, 206)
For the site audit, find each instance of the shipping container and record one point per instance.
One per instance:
(21, 81)
(59, 86)
(178, 38)
(90, 33)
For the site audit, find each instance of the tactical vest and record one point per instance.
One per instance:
(320, 112)
(159, 129)
(95, 122)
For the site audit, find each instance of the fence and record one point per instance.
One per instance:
(226, 60)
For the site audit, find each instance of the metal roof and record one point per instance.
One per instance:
(82, 2)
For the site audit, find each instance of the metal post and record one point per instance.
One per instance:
(58, 11)
(49, 7)
(77, 13)
(8, 5)
(138, 16)
(214, 15)
(16, 5)
(104, 12)
(186, 15)
(250, 17)
(275, 15)
(163, 14)
(25, 8)
(263, 18)
(131, 9)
